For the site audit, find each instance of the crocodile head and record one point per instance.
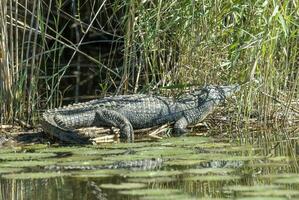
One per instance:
(217, 94)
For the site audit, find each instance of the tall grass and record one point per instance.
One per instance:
(137, 46)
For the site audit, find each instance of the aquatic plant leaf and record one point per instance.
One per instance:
(135, 145)
(169, 196)
(27, 163)
(185, 141)
(25, 156)
(34, 175)
(261, 198)
(273, 192)
(183, 162)
(212, 145)
(164, 152)
(152, 179)
(4, 170)
(241, 188)
(127, 157)
(83, 150)
(9, 150)
(152, 173)
(85, 163)
(287, 180)
(212, 178)
(98, 173)
(150, 192)
(123, 186)
(209, 171)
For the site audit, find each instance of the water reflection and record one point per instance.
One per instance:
(189, 168)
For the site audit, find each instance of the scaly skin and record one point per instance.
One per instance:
(128, 112)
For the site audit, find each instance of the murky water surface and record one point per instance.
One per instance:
(175, 168)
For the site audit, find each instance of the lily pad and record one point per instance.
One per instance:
(27, 163)
(98, 173)
(289, 180)
(150, 192)
(209, 171)
(127, 157)
(152, 173)
(163, 179)
(164, 151)
(242, 188)
(34, 175)
(123, 186)
(183, 162)
(127, 145)
(212, 178)
(86, 162)
(25, 156)
(272, 193)
(170, 196)
(185, 141)
(9, 170)
(261, 198)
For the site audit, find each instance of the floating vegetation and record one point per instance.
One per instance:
(261, 198)
(25, 156)
(170, 196)
(83, 150)
(96, 163)
(272, 193)
(98, 173)
(152, 173)
(34, 175)
(209, 171)
(190, 141)
(183, 162)
(123, 186)
(4, 170)
(242, 188)
(212, 145)
(27, 163)
(187, 166)
(164, 152)
(127, 157)
(9, 150)
(134, 146)
(212, 178)
(163, 179)
(151, 192)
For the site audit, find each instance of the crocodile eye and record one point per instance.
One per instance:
(202, 96)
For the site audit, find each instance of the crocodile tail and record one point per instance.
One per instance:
(73, 121)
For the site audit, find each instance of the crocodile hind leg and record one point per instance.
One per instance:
(112, 118)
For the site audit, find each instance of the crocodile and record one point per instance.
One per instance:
(137, 111)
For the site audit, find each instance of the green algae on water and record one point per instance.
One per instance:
(34, 175)
(209, 171)
(27, 163)
(152, 173)
(25, 156)
(151, 192)
(98, 173)
(212, 178)
(4, 170)
(123, 186)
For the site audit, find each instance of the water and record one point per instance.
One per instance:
(262, 166)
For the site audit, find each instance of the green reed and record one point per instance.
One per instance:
(165, 43)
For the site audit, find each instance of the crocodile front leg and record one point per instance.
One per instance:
(105, 117)
(180, 126)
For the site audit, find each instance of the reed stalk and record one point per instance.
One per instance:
(147, 45)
